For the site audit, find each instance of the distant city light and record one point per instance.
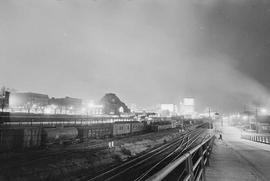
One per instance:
(189, 102)
(263, 111)
(169, 107)
(90, 104)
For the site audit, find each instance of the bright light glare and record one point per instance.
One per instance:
(90, 105)
(263, 111)
(245, 118)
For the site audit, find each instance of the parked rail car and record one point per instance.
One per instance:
(121, 128)
(137, 127)
(18, 139)
(95, 131)
(59, 135)
(162, 125)
(160, 119)
(157, 127)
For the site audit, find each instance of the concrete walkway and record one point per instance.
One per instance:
(235, 159)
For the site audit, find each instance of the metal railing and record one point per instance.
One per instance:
(257, 138)
(190, 166)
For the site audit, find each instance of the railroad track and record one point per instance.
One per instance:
(142, 167)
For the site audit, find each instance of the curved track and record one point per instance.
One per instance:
(142, 167)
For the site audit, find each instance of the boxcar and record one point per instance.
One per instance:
(95, 131)
(59, 135)
(19, 138)
(159, 127)
(137, 127)
(121, 128)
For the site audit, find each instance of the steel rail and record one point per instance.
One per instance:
(170, 167)
(174, 152)
(127, 166)
(137, 160)
(193, 133)
(187, 146)
(148, 171)
(143, 161)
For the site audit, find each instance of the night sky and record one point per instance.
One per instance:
(145, 51)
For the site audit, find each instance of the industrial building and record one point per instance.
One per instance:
(166, 110)
(28, 102)
(187, 107)
(67, 105)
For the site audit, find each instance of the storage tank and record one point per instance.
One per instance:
(59, 135)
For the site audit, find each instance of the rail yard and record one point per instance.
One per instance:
(144, 166)
(23, 131)
(96, 150)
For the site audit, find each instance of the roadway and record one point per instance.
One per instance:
(235, 159)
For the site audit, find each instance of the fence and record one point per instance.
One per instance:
(257, 138)
(190, 166)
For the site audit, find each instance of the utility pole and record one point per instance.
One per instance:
(256, 118)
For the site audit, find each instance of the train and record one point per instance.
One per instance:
(20, 138)
(159, 126)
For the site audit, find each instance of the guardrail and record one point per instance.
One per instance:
(257, 138)
(190, 166)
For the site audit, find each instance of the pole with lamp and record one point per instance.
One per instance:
(256, 118)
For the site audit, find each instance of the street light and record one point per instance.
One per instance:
(245, 118)
(90, 106)
(263, 111)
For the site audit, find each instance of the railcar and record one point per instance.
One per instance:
(121, 128)
(18, 139)
(162, 125)
(95, 131)
(137, 127)
(59, 135)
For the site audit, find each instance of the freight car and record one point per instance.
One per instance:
(59, 135)
(95, 131)
(137, 127)
(18, 139)
(110, 129)
(121, 128)
(21, 138)
(158, 126)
